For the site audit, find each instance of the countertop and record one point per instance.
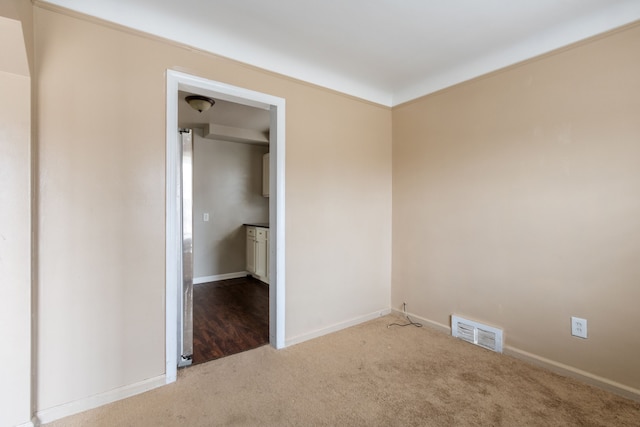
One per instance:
(257, 224)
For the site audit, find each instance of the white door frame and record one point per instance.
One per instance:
(180, 81)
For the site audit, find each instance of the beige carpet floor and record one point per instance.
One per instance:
(368, 375)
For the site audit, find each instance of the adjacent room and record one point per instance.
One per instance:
(471, 167)
(225, 192)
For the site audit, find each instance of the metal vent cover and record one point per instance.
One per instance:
(477, 333)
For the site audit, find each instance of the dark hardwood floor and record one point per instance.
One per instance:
(229, 316)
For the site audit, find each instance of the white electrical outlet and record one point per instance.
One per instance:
(205, 217)
(578, 327)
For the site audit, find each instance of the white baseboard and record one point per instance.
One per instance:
(61, 411)
(570, 371)
(336, 327)
(215, 278)
(557, 367)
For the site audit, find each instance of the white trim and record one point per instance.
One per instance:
(570, 371)
(557, 367)
(337, 327)
(216, 277)
(172, 247)
(180, 81)
(27, 424)
(277, 255)
(61, 411)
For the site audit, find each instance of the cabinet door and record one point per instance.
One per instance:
(251, 250)
(261, 253)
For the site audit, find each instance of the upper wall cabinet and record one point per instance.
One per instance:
(265, 175)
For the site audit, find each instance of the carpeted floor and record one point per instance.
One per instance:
(368, 375)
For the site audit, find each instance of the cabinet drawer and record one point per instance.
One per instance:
(261, 232)
(251, 232)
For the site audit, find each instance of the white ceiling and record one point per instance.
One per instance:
(385, 51)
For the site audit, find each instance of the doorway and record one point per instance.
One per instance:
(177, 81)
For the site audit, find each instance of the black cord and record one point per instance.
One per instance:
(411, 322)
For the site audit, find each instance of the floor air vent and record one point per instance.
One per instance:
(477, 333)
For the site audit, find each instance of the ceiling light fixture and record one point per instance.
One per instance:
(200, 103)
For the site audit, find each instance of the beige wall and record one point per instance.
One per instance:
(21, 12)
(101, 114)
(15, 249)
(227, 184)
(15, 213)
(516, 203)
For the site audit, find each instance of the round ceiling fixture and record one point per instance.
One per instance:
(199, 102)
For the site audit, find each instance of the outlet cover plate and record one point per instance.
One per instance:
(578, 327)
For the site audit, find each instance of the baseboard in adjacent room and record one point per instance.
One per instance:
(61, 411)
(215, 278)
(336, 327)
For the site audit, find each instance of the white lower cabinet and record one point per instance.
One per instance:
(251, 250)
(258, 252)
